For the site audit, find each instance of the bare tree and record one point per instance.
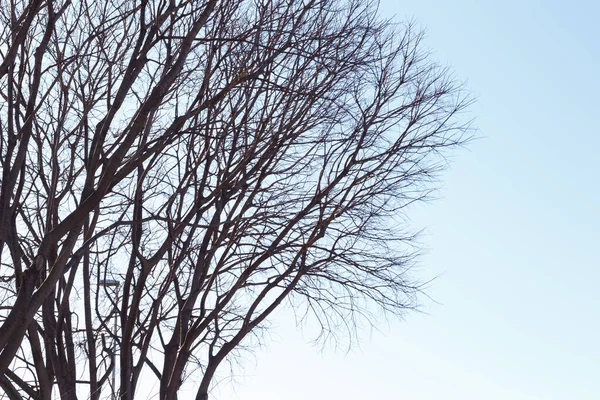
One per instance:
(215, 160)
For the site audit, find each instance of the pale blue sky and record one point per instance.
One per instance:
(515, 231)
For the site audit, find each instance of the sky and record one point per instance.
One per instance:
(513, 235)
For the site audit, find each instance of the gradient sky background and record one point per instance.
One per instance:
(515, 231)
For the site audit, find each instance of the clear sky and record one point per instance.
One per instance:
(515, 231)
